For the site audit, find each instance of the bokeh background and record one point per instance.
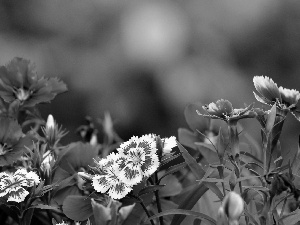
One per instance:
(144, 61)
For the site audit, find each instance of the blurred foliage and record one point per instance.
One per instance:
(145, 60)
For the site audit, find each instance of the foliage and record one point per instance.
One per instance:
(147, 179)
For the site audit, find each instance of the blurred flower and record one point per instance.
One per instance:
(108, 178)
(12, 185)
(232, 206)
(223, 110)
(284, 98)
(19, 82)
(13, 142)
(137, 159)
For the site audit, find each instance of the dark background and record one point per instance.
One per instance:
(144, 61)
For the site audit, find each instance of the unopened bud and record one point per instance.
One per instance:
(50, 122)
(233, 206)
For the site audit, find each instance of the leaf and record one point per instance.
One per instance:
(291, 218)
(172, 187)
(150, 188)
(173, 169)
(189, 201)
(196, 169)
(28, 216)
(187, 138)
(102, 214)
(210, 155)
(208, 219)
(77, 208)
(192, 118)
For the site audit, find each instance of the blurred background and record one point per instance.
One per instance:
(144, 61)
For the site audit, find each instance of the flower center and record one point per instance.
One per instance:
(22, 94)
(137, 156)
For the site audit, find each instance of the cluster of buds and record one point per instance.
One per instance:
(231, 209)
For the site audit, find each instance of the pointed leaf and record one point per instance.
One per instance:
(190, 200)
(196, 169)
(150, 188)
(173, 169)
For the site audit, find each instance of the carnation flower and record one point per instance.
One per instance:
(222, 109)
(108, 178)
(137, 159)
(13, 142)
(12, 186)
(270, 94)
(19, 82)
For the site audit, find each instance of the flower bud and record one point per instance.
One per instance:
(233, 206)
(50, 122)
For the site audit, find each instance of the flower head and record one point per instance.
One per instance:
(137, 159)
(19, 82)
(12, 186)
(222, 109)
(270, 94)
(108, 178)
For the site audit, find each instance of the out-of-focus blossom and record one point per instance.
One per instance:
(232, 207)
(137, 159)
(20, 82)
(108, 179)
(270, 94)
(13, 185)
(222, 109)
(13, 142)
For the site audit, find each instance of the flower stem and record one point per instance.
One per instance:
(159, 209)
(146, 210)
(144, 207)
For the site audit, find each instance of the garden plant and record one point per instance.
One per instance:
(149, 179)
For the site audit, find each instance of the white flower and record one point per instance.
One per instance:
(169, 143)
(137, 159)
(12, 185)
(108, 178)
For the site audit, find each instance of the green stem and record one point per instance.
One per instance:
(146, 210)
(144, 207)
(159, 209)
